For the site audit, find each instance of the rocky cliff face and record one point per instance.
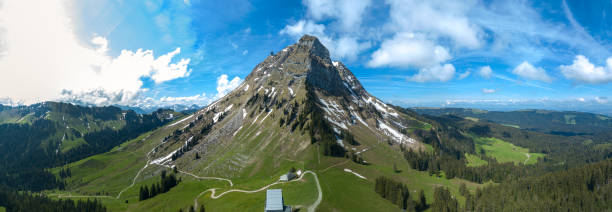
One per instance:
(294, 99)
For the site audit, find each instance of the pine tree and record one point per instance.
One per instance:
(202, 208)
(463, 189)
(141, 196)
(422, 201)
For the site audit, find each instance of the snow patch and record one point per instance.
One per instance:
(336, 130)
(335, 63)
(175, 123)
(401, 138)
(216, 117)
(339, 141)
(211, 106)
(256, 117)
(246, 88)
(244, 113)
(381, 106)
(358, 117)
(188, 140)
(162, 160)
(264, 118)
(291, 92)
(366, 149)
(238, 130)
(341, 125)
(332, 108)
(228, 108)
(355, 173)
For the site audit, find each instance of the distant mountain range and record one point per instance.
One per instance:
(555, 122)
(149, 109)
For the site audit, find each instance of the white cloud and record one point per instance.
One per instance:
(581, 99)
(408, 49)
(349, 13)
(486, 90)
(440, 18)
(9, 102)
(245, 52)
(198, 99)
(528, 71)
(485, 72)
(42, 60)
(464, 75)
(224, 86)
(584, 71)
(437, 73)
(101, 97)
(348, 47)
(343, 47)
(163, 70)
(601, 100)
(102, 44)
(304, 27)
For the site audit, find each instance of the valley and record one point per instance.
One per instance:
(301, 114)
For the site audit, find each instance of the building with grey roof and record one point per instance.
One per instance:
(274, 201)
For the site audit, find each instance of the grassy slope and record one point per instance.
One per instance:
(298, 194)
(112, 171)
(342, 191)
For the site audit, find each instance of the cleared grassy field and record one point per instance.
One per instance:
(504, 151)
(474, 160)
(298, 194)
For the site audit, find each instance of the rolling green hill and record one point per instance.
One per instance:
(49, 134)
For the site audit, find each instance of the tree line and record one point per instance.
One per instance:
(166, 183)
(399, 194)
(22, 201)
(28, 150)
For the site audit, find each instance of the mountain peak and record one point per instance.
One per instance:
(313, 46)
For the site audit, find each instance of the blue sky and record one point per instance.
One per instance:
(487, 54)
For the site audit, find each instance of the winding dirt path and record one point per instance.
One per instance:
(311, 208)
(199, 177)
(148, 156)
(528, 156)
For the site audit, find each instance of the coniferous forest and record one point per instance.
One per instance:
(16, 201)
(164, 185)
(27, 150)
